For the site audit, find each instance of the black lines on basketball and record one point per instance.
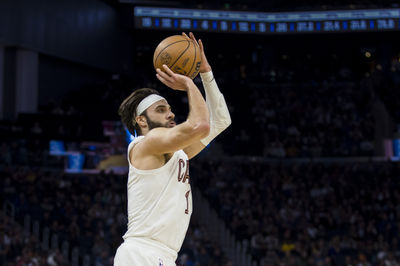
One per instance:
(194, 60)
(166, 47)
(188, 42)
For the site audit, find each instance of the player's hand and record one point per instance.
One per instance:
(204, 66)
(173, 80)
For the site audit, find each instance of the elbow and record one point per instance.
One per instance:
(225, 123)
(228, 122)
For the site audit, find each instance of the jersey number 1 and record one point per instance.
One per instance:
(187, 202)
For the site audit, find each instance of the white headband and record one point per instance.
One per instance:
(146, 102)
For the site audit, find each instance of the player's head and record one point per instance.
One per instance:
(144, 110)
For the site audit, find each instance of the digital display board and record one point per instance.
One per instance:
(267, 23)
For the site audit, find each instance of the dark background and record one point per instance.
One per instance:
(301, 177)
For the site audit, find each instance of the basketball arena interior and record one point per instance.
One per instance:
(306, 174)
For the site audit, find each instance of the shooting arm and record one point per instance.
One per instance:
(196, 127)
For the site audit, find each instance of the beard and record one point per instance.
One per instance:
(154, 124)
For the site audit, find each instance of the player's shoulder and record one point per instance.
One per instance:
(138, 149)
(135, 141)
(145, 144)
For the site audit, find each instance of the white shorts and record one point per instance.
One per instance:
(142, 252)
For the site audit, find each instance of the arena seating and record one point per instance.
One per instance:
(89, 211)
(308, 213)
(385, 80)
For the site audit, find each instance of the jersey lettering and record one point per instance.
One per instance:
(183, 174)
(187, 202)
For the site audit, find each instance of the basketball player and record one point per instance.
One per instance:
(159, 193)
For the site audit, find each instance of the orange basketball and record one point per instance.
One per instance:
(180, 54)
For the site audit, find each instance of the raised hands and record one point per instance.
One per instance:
(205, 66)
(180, 82)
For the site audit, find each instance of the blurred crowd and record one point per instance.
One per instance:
(385, 80)
(299, 105)
(89, 211)
(314, 120)
(308, 213)
(285, 102)
(290, 213)
(17, 248)
(298, 101)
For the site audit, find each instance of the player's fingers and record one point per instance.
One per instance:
(193, 38)
(161, 73)
(184, 34)
(167, 70)
(164, 75)
(201, 45)
(160, 78)
(163, 80)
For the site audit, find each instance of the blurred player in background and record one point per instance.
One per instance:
(159, 193)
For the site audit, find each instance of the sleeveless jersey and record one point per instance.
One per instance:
(160, 201)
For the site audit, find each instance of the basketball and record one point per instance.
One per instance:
(180, 54)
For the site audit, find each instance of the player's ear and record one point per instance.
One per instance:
(141, 120)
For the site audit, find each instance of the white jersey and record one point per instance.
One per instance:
(160, 201)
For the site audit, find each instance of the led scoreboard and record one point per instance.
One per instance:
(267, 23)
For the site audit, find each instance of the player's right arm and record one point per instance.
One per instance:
(196, 127)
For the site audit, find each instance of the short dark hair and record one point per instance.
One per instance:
(127, 109)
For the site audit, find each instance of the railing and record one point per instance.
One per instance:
(47, 240)
(9, 209)
(234, 249)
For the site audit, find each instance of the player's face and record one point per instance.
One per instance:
(160, 115)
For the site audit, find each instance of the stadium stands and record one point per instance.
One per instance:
(88, 211)
(308, 213)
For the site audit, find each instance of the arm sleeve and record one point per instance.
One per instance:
(220, 118)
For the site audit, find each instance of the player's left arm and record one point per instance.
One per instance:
(220, 118)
